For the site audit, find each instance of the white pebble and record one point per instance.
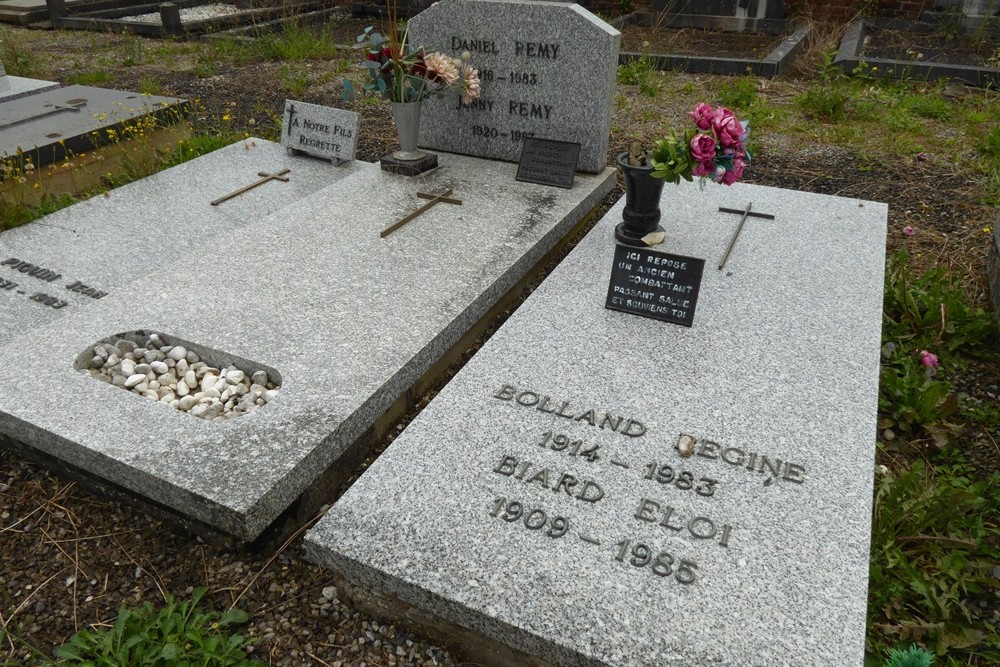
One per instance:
(134, 380)
(159, 367)
(235, 376)
(178, 353)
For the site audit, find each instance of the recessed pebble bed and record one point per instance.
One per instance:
(188, 14)
(179, 377)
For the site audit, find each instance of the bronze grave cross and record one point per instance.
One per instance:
(433, 199)
(280, 176)
(747, 212)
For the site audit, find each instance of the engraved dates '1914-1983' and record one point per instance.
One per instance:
(560, 442)
(683, 480)
(640, 555)
(534, 519)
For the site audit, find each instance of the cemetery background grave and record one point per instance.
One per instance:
(928, 51)
(69, 538)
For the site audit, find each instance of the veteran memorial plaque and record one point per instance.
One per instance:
(320, 131)
(655, 284)
(548, 162)
(594, 488)
(547, 70)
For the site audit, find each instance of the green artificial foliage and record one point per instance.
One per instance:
(914, 656)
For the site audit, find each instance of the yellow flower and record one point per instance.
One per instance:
(987, 230)
(226, 117)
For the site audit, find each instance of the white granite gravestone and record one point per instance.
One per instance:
(320, 131)
(13, 87)
(542, 498)
(547, 69)
(84, 252)
(348, 319)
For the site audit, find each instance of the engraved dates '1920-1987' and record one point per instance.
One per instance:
(534, 519)
(640, 555)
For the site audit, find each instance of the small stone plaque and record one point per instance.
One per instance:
(320, 131)
(547, 70)
(548, 162)
(655, 284)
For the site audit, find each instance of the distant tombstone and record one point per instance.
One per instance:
(547, 70)
(771, 9)
(320, 131)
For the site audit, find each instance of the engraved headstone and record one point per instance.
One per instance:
(85, 252)
(320, 131)
(595, 488)
(347, 319)
(547, 69)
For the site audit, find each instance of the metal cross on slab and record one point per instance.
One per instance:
(745, 213)
(433, 199)
(52, 108)
(280, 176)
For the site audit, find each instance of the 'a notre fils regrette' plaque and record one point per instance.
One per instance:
(320, 131)
(547, 70)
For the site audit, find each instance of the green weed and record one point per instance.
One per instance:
(178, 634)
(930, 553)
(826, 100)
(639, 72)
(90, 78)
(740, 94)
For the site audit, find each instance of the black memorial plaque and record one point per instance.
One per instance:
(655, 284)
(548, 162)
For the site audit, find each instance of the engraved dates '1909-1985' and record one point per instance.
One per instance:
(534, 519)
(640, 555)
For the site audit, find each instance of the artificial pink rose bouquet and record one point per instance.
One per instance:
(715, 148)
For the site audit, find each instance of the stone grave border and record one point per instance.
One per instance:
(851, 56)
(105, 15)
(776, 62)
(250, 32)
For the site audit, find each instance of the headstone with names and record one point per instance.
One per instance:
(320, 131)
(594, 488)
(547, 69)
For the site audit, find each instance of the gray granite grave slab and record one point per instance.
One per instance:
(782, 362)
(320, 131)
(89, 250)
(50, 125)
(547, 69)
(348, 319)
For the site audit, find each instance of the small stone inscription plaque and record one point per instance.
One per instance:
(548, 162)
(655, 284)
(547, 70)
(321, 131)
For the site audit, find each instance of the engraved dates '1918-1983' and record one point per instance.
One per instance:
(640, 555)
(534, 519)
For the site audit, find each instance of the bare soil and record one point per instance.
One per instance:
(698, 42)
(976, 50)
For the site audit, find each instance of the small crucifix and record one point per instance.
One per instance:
(747, 212)
(279, 176)
(433, 199)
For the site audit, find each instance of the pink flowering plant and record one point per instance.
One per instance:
(403, 73)
(715, 148)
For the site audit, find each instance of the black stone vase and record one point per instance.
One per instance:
(642, 203)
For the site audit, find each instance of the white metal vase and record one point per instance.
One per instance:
(407, 118)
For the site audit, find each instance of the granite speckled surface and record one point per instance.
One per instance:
(348, 320)
(144, 227)
(547, 69)
(15, 87)
(782, 361)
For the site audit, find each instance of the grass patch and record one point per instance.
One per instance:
(90, 78)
